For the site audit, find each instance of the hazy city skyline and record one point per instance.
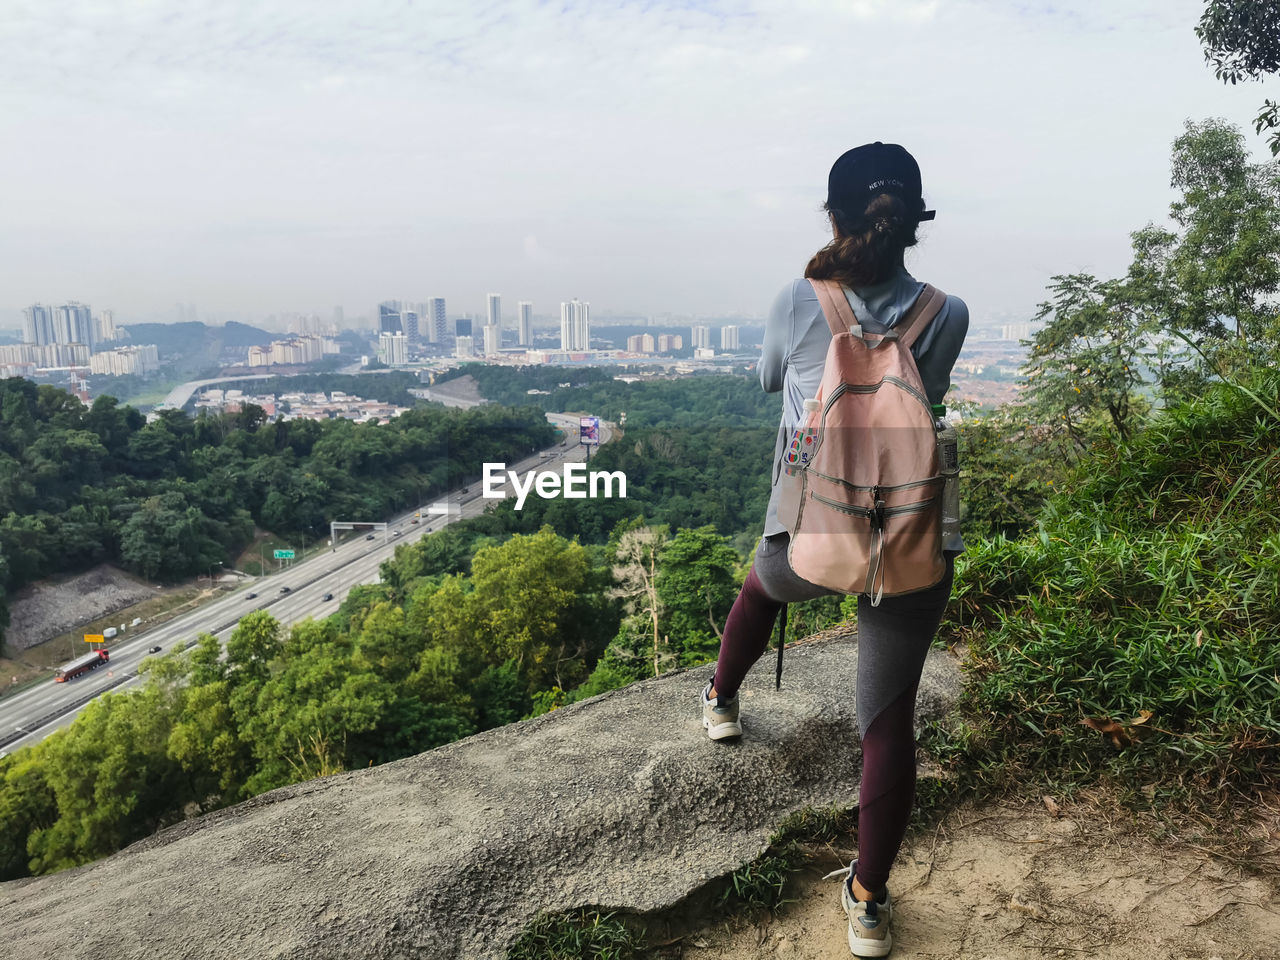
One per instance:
(259, 159)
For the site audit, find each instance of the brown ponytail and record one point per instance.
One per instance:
(868, 246)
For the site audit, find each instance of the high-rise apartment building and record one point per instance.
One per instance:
(640, 343)
(575, 325)
(436, 320)
(389, 317)
(495, 313)
(393, 349)
(668, 342)
(73, 323)
(409, 324)
(462, 327)
(729, 337)
(464, 346)
(107, 325)
(701, 337)
(492, 339)
(526, 324)
(37, 325)
(44, 355)
(141, 359)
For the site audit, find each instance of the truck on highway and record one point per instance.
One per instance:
(90, 661)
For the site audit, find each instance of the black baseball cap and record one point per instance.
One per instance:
(872, 169)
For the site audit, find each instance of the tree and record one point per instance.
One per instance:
(254, 643)
(1085, 362)
(696, 588)
(27, 805)
(1214, 278)
(170, 538)
(636, 573)
(1242, 40)
(527, 603)
(112, 777)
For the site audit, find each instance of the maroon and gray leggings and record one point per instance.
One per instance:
(893, 639)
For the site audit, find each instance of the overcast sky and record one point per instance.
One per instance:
(259, 156)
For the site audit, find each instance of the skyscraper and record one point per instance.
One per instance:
(492, 339)
(495, 311)
(462, 327)
(37, 325)
(729, 337)
(575, 325)
(436, 321)
(409, 324)
(389, 317)
(73, 323)
(701, 337)
(526, 324)
(107, 325)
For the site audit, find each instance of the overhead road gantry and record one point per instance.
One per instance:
(336, 525)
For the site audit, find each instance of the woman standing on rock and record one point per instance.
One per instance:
(875, 203)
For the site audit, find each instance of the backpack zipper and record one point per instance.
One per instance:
(865, 388)
(867, 512)
(895, 486)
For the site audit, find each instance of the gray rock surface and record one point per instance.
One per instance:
(619, 802)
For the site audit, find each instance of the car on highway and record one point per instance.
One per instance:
(466, 489)
(286, 589)
(428, 529)
(395, 533)
(369, 537)
(154, 650)
(415, 522)
(327, 596)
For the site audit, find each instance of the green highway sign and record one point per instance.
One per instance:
(284, 554)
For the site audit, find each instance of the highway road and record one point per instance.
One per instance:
(36, 712)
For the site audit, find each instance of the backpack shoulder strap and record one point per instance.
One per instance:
(928, 303)
(835, 307)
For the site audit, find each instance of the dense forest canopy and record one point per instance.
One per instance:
(171, 497)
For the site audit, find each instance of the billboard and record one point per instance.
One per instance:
(589, 430)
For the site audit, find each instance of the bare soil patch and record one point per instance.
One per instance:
(18, 668)
(461, 388)
(41, 611)
(1009, 882)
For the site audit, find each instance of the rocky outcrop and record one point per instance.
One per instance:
(619, 802)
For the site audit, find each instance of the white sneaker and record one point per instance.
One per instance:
(719, 716)
(869, 922)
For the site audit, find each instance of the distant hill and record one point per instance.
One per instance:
(195, 341)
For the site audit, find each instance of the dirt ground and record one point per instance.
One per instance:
(21, 667)
(41, 611)
(1005, 882)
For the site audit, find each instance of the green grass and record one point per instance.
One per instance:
(578, 935)
(1133, 639)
